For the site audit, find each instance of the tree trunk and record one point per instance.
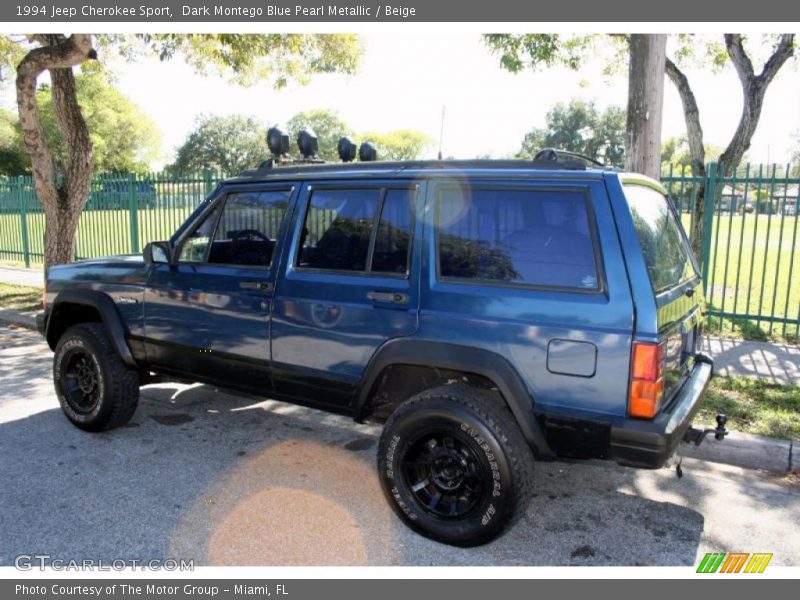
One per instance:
(62, 203)
(694, 135)
(645, 104)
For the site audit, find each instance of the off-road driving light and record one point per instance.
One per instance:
(277, 141)
(347, 149)
(367, 152)
(647, 380)
(307, 143)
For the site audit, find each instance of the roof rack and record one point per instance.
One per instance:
(554, 154)
(278, 142)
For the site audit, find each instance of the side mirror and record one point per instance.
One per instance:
(157, 253)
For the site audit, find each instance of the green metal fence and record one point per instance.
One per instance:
(751, 251)
(122, 214)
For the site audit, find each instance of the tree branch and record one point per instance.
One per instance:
(783, 52)
(754, 87)
(734, 44)
(694, 131)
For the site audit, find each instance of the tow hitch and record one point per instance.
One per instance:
(696, 436)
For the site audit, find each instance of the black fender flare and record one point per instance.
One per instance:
(479, 361)
(108, 313)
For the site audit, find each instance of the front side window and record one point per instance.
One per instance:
(244, 234)
(665, 251)
(195, 246)
(249, 228)
(531, 237)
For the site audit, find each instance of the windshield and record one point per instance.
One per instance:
(666, 253)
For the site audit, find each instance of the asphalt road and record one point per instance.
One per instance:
(224, 479)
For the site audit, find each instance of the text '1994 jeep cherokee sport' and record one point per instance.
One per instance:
(488, 312)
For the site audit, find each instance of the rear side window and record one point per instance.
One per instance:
(665, 251)
(393, 238)
(358, 230)
(533, 237)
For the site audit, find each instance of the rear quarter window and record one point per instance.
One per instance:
(533, 237)
(664, 247)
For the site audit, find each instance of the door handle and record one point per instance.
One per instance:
(258, 286)
(390, 297)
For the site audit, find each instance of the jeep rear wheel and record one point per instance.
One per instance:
(454, 465)
(96, 390)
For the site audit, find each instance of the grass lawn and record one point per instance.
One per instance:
(753, 406)
(20, 297)
(755, 268)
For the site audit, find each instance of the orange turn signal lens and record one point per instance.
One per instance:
(645, 398)
(647, 382)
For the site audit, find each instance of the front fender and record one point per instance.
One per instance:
(58, 314)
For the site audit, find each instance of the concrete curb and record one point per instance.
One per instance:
(746, 451)
(15, 317)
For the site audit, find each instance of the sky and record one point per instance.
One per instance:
(405, 80)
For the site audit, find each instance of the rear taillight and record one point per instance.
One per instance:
(647, 380)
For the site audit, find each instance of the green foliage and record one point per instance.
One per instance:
(123, 137)
(534, 50)
(226, 144)
(327, 125)
(246, 59)
(795, 160)
(675, 151)
(12, 49)
(580, 127)
(402, 144)
(13, 159)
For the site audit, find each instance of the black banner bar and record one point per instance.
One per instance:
(397, 589)
(607, 11)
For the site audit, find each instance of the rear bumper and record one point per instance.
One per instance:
(649, 444)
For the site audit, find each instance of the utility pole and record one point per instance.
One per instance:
(441, 133)
(645, 103)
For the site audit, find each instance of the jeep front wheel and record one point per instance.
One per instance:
(96, 390)
(454, 465)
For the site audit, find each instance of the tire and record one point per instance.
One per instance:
(454, 465)
(96, 390)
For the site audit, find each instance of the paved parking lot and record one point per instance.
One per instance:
(225, 479)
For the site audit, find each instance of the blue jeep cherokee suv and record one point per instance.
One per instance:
(488, 312)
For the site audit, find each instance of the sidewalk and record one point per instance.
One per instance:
(20, 276)
(774, 362)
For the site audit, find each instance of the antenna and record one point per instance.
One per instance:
(441, 132)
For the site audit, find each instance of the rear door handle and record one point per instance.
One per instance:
(258, 286)
(388, 297)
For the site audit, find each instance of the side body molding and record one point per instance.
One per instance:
(407, 351)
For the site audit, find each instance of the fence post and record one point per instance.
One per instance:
(23, 218)
(708, 220)
(207, 181)
(134, 212)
